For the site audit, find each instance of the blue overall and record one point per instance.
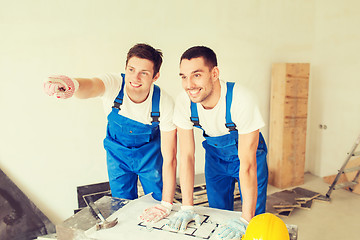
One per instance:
(222, 163)
(133, 151)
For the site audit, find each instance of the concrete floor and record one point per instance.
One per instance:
(337, 220)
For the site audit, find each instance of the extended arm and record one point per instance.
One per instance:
(90, 88)
(187, 165)
(168, 150)
(248, 144)
(235, 228)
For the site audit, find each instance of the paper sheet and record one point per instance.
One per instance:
(129, 226)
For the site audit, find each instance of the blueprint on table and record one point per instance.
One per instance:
(130, 227)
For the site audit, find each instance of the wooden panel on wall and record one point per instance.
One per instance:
(288, 118)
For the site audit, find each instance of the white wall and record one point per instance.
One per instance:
(48, 147)
(334, 85)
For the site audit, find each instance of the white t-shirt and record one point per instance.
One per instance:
(139, 112)
(244, 113)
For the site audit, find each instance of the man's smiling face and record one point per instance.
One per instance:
(139, 76)
(197, 79)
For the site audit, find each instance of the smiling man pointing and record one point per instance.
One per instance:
(139, 115)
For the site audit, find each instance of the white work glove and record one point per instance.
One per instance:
(157, 212)
(233, 229)
(181, 219)
(61, 86)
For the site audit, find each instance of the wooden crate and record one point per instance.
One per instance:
(288, 122)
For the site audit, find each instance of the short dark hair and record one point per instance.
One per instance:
(145, 51)
(201, 51)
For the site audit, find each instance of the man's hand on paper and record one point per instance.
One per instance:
(157, 212)
(233, 229)
(181, 219)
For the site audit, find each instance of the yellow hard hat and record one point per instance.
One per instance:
(266, 226)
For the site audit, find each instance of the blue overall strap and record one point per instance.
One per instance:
(155, 108)
(194, 118)
(119, 99)
(229, 94)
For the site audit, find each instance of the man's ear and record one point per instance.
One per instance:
(215, 73)
(156, 77)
